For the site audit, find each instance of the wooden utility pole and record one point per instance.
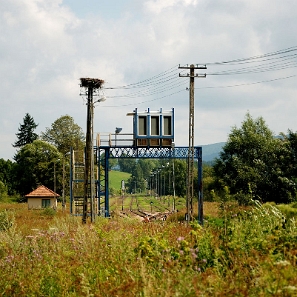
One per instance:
(191, 152)
(88, 176)
(91, 85)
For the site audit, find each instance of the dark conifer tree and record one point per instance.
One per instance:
(26, 133)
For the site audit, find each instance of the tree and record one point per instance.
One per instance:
(127, 164)
(26, 132)
(254, 162)
(38, 163)
(7, 169)
(180, 171)
(207, 180)
(147, 165)
(140, 170)
(63, 134)
(136, 181)
(292, 142)
(111, 162)
(3, 190)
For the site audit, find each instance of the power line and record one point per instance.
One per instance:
(144, 82)
(159, 98)
(254, 58)
(247, 84)
(260, 69)
(150, 91)
(167, 81)
(202, 88)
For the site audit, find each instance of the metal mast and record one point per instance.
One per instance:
(190, 159)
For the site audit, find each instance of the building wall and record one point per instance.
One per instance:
(36, 203)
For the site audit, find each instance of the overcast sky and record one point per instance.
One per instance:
(46, 46)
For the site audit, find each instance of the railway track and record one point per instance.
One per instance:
(134, 207)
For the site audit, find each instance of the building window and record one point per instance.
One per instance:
(142, 126)
(167, 125)
(46, 203)
(155, 126)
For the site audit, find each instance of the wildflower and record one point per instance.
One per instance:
(9, 259)
(194, 255)
(290, 288)
(282, 263)
(180, 238)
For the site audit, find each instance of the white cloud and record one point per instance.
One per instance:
(45, 48)
(158, 6)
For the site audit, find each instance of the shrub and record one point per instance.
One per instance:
(3, 191)
(288, 210)
(49, 212)
(6, 220)
(243, 199)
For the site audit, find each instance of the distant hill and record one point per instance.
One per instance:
(211, 151)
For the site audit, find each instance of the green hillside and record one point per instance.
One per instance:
(115, 178)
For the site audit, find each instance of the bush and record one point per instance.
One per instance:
(3, 191)
(6, 220)
(288, 210)
(243, 199)
(112, 191)
(49, 212)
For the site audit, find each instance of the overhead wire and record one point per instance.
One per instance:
(246, 84)
(279, 60)
(156, 99)
(144, 82)
(279, 52)
(168, 85)
(168, 80)
(252, 61)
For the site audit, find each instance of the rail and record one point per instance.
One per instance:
(114, 139)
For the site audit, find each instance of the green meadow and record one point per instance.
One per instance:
(116, 177)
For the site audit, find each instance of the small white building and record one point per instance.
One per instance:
(42, 197)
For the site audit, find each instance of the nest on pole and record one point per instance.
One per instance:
(94, 83)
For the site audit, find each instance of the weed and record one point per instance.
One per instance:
(49, 212)
(6, 220)
(244, 252)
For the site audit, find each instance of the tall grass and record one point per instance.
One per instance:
(250, 253)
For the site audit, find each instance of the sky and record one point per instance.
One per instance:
(248, 46)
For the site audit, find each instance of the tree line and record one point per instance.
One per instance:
(40, 159)
(253, 164)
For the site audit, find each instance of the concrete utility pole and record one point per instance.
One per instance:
(90, 85)
(190, 160)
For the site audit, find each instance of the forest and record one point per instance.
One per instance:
(253, 164)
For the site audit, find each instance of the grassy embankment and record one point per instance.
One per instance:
(115, 178)
(238, 252)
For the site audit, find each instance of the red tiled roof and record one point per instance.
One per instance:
(42, 191)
